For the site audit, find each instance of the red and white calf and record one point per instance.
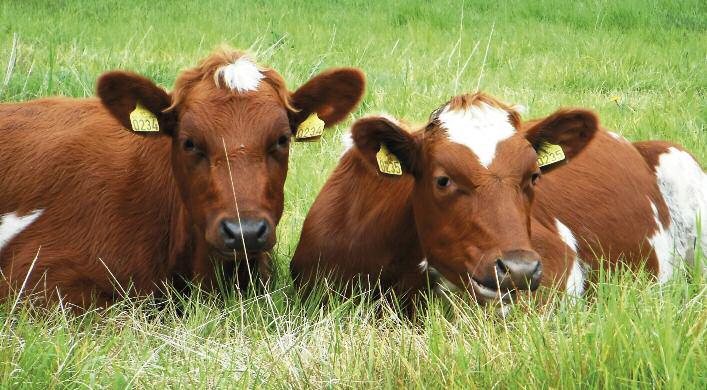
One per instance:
(198, 182)
(473, 203)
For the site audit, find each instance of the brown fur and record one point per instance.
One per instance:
(602, 193)
(123, 208)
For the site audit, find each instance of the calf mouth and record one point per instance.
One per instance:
(489, 294)
(231, 254)
(484, 294)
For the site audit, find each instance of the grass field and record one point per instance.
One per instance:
(629, 333)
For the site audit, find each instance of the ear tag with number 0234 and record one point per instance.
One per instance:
(143, 120)
(312, 127)
(549, 154)
(388, 163)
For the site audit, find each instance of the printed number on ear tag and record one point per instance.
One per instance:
(312, 127)
(549, 154)
(143, 120)
(388, 163)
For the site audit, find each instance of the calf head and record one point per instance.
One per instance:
(475, 171)
(230, 122)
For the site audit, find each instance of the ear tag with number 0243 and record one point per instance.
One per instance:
(312, 127)
(388, 163)
(549, 154)
(143, 120)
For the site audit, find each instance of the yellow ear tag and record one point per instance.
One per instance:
(312, 127)
(549, 154)
(388, 163)
(143, 120)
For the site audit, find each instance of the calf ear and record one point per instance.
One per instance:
(332, 95)
(121, 92)
(370, 133)
(571, 129)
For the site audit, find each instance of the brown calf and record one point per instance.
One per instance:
(473, 204)
(98, 204)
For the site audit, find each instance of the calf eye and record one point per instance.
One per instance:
(188, 145)
(283, 141)
(443, 181)
(534, 178)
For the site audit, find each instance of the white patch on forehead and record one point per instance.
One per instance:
(683, 185)
(11, 225)
(480, 128)
(240, 76)
(575, 276)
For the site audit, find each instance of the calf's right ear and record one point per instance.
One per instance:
(370, 134)
(122, 92)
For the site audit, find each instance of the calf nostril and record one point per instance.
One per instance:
(538, 270)
(501, 267)
(226, 231)
(262, 230)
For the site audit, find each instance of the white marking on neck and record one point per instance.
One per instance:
(480, 128)
(683, 185)
(11, 225)
(240, 76)
(575, 278)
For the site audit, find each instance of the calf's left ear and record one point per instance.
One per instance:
(332, 95)
(571, 129)
(121, 92)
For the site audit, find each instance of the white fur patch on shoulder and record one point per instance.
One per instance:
(480, 128)
(241, 76)
(683, 185)
(575, 276)
(11, 225)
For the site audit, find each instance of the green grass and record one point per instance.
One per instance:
(543, 54)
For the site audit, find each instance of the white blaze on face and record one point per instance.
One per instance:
(240, 76)
(480, 128)
(683, 185)
(11, 225)
(575, 276)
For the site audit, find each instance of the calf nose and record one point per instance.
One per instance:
(519, 269)
(255, 234)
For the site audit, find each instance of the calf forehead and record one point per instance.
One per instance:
(480, 127)
(230, 87)
(235, 116)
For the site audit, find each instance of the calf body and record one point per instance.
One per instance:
(90, 207)
(102, 203)
(607, 202)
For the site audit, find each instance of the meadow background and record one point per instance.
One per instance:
(641, 65)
